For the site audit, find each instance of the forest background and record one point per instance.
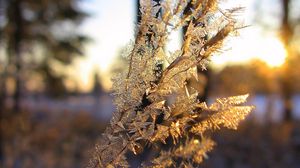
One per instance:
(56, 60)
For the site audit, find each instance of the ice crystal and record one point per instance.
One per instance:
(154, 102)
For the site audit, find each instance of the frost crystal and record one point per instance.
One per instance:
(154, 101)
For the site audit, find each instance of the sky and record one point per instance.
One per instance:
(111, 26)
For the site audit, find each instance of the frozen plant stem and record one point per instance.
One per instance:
(144, 116)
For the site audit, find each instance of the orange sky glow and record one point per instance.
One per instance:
(111, 31)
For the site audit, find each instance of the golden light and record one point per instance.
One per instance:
(112, 31)
(251, 46)
(272, 52)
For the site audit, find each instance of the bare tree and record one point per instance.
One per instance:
(287, 30)
(29, 25)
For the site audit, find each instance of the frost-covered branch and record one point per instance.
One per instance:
(144, 115)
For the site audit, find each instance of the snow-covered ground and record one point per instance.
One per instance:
(102, 106)
(272, 106)
(99, 106)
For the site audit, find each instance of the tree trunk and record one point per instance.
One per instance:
(203, 97)
(2, 92)
(16, 53)
(286, 35)
(138, 12)
(288, 106)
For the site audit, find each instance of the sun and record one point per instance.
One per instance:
(253, 46)
(272, 51)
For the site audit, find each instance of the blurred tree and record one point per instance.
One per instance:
(138, 12)
(254, 77)
(287, 32)
(289, 20)
(203, 83)
(97, 87)
(40, 36)
(2, 86)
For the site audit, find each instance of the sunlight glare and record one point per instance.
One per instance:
(252, 45)
(272, 52)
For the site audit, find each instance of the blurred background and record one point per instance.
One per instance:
(57, 58)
